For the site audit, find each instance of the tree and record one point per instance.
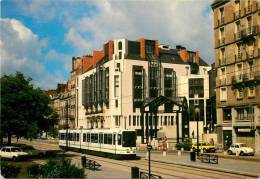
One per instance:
(24, 108)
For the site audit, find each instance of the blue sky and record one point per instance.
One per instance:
(39, 37)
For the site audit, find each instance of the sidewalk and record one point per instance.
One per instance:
(250, 167)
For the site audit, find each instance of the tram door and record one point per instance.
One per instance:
(101, 141)
(114, 141)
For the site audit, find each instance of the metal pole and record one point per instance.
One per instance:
(197, 110)
(67, 124)
(149, 158)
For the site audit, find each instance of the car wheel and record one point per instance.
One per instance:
(241, 153)
(229, 152)
(40, 155)
(14, 158)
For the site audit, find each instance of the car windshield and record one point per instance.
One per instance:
(243, 145)
(15, 150)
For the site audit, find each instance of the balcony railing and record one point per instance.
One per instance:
(249, 76)
(237, 14)
(248, 9)
(222, 61)
(244, 118)
(238, 57)
(222, 41)
(237, 78)
(221, 21)
(250, 54)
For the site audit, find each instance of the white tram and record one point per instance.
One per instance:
(118, 143)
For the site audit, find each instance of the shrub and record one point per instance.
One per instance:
(56, 169)
(8, 170)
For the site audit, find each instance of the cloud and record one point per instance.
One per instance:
(21, 50)
(188, 23)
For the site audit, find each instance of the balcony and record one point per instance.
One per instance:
(238, 57)
(221, 41)
(249, 76)
(237, 78)
(222, 62)
(221, 21)
(237, 14)
(248, 9)
(250, 54)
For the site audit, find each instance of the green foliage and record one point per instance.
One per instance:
(56, 169)
(186, 145)
(54, 132)
(24, 108)
(8, 170)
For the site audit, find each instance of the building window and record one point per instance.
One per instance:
(165, 121)
(137, 120)
(120, 55)
(240, 114)
(119, 45)
(196, 87)
(118, 66)
(227, 114)
(251, 91)
(138, 86)
(240, 93)
(116, 92)
(107, 87)
(169, 87)
(134, 120)
(223, 94)
(172, 120)
(129, 120)
(161, 120)
(116, 103)
(117, 120)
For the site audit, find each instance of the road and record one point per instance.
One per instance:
(172, 166)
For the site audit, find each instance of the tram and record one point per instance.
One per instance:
(115, 143)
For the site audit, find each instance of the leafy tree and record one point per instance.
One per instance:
(25, 109)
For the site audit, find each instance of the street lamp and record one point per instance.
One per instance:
(197, 116)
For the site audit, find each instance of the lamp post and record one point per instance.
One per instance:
(197, 116)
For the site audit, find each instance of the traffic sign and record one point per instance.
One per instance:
(149, 147)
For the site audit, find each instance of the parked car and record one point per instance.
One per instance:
(241, 149)
(204, 147)
(14, 153)
(32, 151)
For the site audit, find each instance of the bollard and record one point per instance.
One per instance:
(164, 153)
(83, 161)
(179, 153)
(193, 156)
(134, 172)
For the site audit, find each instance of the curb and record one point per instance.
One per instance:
(245, 158)
(254, 175)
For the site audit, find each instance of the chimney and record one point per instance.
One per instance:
(197, 57)
(157, 48)
(111, 49)
(142, 47)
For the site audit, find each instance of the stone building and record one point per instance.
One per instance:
(237, 54)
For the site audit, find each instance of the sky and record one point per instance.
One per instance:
(40, 37)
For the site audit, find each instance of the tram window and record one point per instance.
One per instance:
(105, 138)
(96, 138)
(109, 138)
(74, 136)
(114, 139)
(101, 138)
(129, 139)
(84, 137)
(70, 136)
(88, 137)
(92, 138)
(77, 136)
(119, 137)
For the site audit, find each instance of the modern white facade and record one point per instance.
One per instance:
(127, 70)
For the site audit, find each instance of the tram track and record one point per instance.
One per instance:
(172, 170)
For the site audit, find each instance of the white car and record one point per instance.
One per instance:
(241, 149)
(14, 153)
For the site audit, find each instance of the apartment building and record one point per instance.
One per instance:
(237, 53)
(117, 80)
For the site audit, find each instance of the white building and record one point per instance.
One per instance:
(131, 71)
